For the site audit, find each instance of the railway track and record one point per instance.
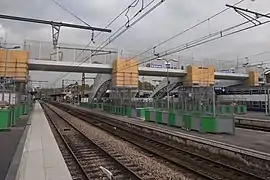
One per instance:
(251, 127)
(76, 170)
(86, 159)
(199, 165)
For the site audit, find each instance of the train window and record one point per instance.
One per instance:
(262, 104)
(246, 91)
(256, 106)
(230, 92)
(238, 91)
(255, 91)
(262, 91)
(255, 102)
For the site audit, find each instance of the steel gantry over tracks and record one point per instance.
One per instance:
(55, 25)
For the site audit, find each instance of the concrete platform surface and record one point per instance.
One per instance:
(9, 142)
(250, 139)
(41, 157)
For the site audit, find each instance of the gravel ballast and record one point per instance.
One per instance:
(156, 168)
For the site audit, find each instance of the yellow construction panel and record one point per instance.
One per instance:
(125, 69)
(14, 56)
(14, 63)
(123, 65)
(125, 83)
(202, 76)
(253, 79)
(118, 78)
(125, 74)
(13, 70)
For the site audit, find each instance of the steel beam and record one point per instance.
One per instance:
(39, 21)
(85, 49)
(55, 25)
(257, 14)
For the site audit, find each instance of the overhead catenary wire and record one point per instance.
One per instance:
(221, 33)
(88, 44)
(166, 53)
(186, 30)
(195, 40)
(115, 35)
(126, 14)
(254, 55)
(122, 12)
(70, 12)
(204, 39)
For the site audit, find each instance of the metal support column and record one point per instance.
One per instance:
(5, 75)
(268, 101)
(168, 91)
(83, 85)
(214, 102)
(63, 85)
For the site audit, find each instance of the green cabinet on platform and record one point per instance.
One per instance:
(187, 121)
(208, 124)
(4, 119)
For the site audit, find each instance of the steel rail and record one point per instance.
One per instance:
(132, 174)
(85, 116)
(44, 106)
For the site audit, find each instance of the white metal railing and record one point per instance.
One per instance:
(42, 50)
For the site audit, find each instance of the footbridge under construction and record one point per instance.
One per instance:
(103, 80)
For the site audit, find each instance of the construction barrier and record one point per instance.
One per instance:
(203, 124)
(4, 118)
(188, 121)
(10, 115)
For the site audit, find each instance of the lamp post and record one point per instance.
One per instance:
(168, 82)
(5, 75)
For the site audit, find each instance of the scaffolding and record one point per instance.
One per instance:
(122, 96)
(195, 99)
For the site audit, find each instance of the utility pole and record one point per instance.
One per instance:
(168, 82)
(63, 85)
(83, 85)
(143, 84)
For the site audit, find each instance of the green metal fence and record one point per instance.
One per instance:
(188, 120)
(9, 116)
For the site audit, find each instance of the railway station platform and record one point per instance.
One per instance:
(9, 142)
(41, 158)
(257, 141)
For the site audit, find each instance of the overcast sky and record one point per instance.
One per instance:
(169, 18)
